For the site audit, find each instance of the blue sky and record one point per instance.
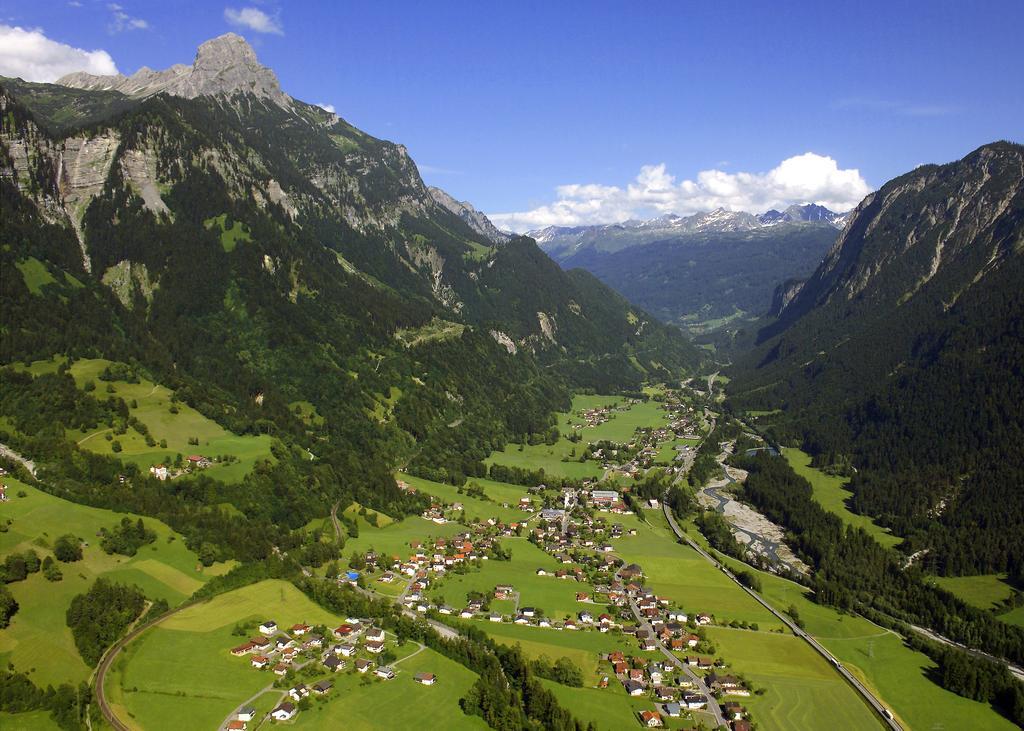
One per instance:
(574, 112)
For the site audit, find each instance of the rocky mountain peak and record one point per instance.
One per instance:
(474, 218)
(223, 66)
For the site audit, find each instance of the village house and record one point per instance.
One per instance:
(299, 692)
(323, 687)
(244, 649)
(246, 713)
(268, 628)
(363, 665)
(260, 661)
(284, 712)
(385, 671)
(651, 719)
(733, 710)
(424, 678)
(634, 687)
(694, 701)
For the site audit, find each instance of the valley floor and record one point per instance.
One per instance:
(181, 673)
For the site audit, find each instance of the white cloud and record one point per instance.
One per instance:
(800, 179)
(28, 53)
(327, 107)
(254, 19)
(120, 20)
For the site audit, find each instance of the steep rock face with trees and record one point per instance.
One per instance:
(252, 251)
(903, 352)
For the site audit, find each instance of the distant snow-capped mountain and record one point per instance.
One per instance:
(564, 241)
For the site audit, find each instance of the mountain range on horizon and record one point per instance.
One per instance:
(562, 242)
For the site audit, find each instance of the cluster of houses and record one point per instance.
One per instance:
(277, 650)
(641, 452)
(352, 641)
(193, 463)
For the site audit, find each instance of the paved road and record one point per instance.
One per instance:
(868, 696)
(714, 709)
(1016, 670)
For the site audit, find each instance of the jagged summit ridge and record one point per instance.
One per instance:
(223, 66)
(474, 218)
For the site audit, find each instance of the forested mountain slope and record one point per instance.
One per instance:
(696, 278)
(252, 251)
(903, 355)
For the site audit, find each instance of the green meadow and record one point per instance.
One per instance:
(557, 597)
(583, 647)
(1015, 616)
(878, 657)
(35, 274)
(678, 572)
(398, 703)
(987, 591)
(38, 640)
(394, 540)
(831, 492)
(31, 721)
(619, 428)
(499, 493)
(801, 689)
(154, 409)
(181, 674)
(229, 237)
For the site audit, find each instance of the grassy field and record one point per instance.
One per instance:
(609, 709)
(38, 640)
(229, 237)
(499, 492)
(31, 721)
(619, 428)
(679, 572)
(399, 703)
(153, 408)
(1015, 616)
(880, 660)
(557, 597)
(582, 647)
(985, 592)
(181, 675)
(394, 539)
(832, 494)
(801, 689)
(35, 274)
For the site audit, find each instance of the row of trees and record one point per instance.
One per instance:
(854, 572)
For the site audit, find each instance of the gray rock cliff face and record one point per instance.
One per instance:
(476, 220)
(224, 65)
